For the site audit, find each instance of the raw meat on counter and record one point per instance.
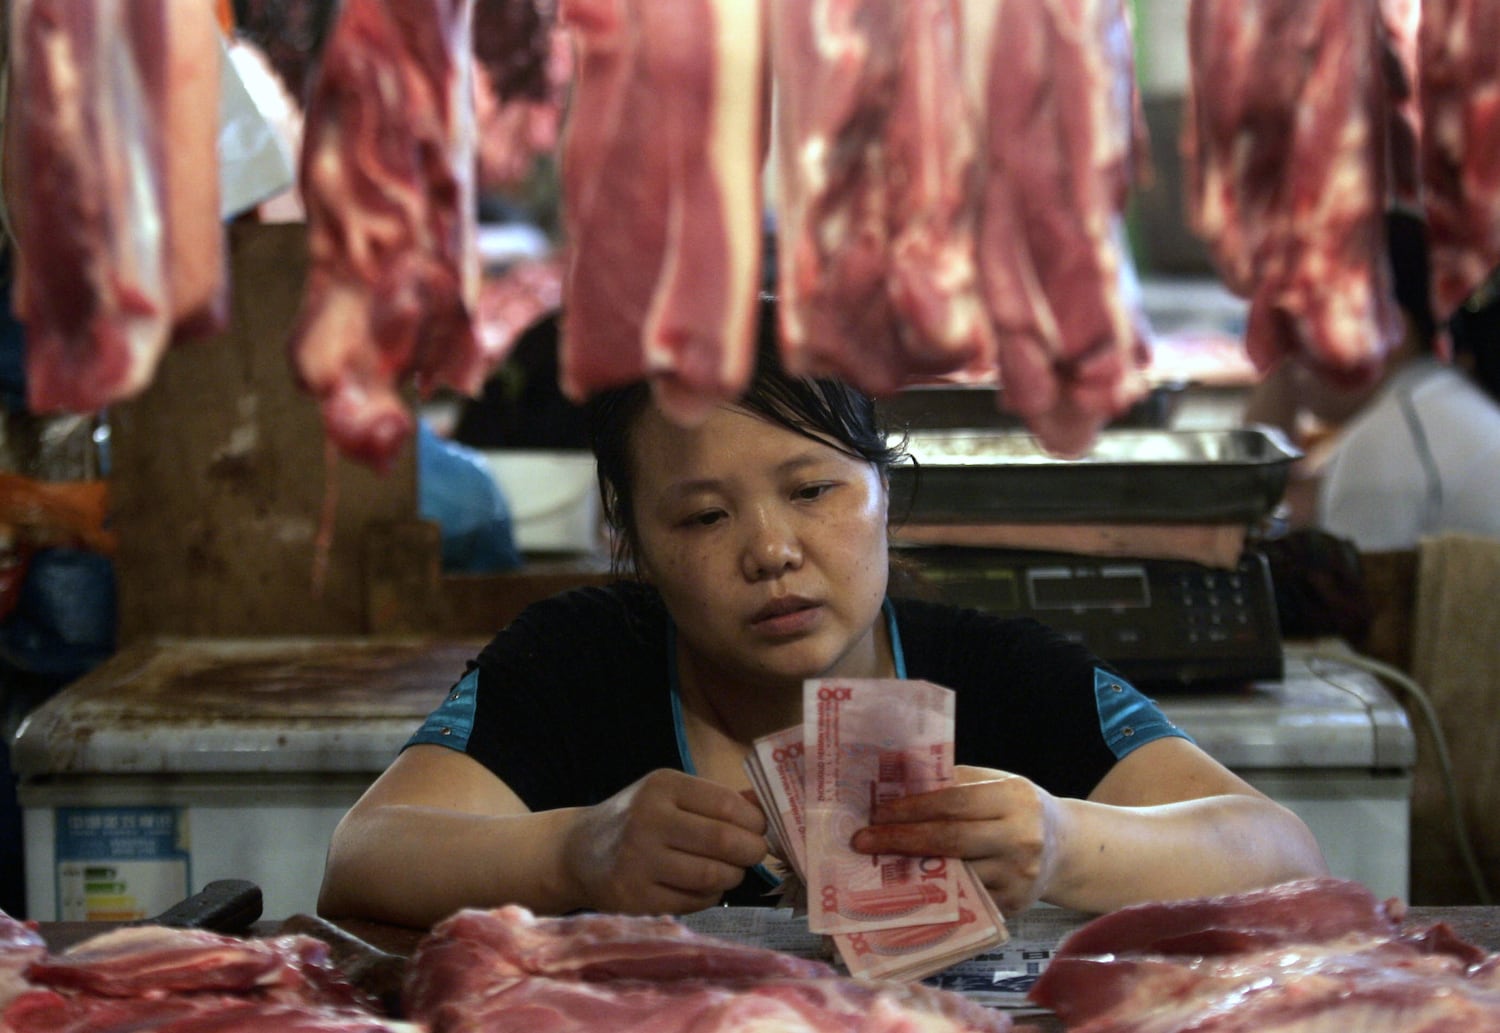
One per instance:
(154, 979)
(1285, 161)
(508, 970)
(1309, 956)
(661, 188)
(20, 945)
(46, 1012)
(112, 191)
(387, 174)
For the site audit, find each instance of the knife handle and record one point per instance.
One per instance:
(222, 906)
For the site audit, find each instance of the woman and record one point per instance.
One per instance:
(592, 755)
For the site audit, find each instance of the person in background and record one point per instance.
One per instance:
(456, 491)
(1410, 455)
(521, 405)
(592, 755)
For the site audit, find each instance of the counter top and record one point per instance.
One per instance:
(1477, 925)
(346, 705)
(242, 705)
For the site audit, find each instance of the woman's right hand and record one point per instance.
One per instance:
(668, 844)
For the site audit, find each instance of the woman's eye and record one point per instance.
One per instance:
(707, 518)
(809, 492)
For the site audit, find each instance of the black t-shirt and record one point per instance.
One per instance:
(572, 703)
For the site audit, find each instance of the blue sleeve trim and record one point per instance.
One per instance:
(452, 722)
(1128, 719)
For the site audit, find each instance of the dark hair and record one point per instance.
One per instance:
(1406, 243)
(823, 409)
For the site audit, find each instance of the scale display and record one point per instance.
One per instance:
(1162, 623)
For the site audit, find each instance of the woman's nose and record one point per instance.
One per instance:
(771, 549)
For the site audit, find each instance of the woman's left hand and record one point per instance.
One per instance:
(1009, 829)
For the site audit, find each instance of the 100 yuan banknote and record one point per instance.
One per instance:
(867, 740)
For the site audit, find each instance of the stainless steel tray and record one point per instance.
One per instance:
(975, 407)
(1130, 476)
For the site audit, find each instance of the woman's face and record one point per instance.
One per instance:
(769, 548)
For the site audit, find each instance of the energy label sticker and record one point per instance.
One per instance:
(118, 864)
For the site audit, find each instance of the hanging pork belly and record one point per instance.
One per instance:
(661, 188)
(112, 191)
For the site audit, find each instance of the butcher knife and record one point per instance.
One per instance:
(221, 906)
(368, 968)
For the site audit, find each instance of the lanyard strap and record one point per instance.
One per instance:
(898, 656)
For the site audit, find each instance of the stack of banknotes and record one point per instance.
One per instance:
(864, 740)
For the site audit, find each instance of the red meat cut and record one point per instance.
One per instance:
(508, 970)
(1314, 956)
(112, 183)
(661, 188)
(1284, 144)
(387, 174)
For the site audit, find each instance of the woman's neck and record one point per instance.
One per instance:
(746, 708)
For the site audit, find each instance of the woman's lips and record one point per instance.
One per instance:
(785, 617)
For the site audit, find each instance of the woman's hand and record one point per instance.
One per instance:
(668, 844)
(1010, 831)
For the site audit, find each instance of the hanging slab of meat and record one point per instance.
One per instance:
(387, 173)
(1311, 956)
(111, 174)
(1459, 95)
(876, 174)
(661, 199)
(1063, 142)
(507, 970)
(1284, 143)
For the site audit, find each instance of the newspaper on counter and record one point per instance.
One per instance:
(863, 740)
(999, 977)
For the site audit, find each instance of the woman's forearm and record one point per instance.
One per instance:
(413, 865)
(1114, 855)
